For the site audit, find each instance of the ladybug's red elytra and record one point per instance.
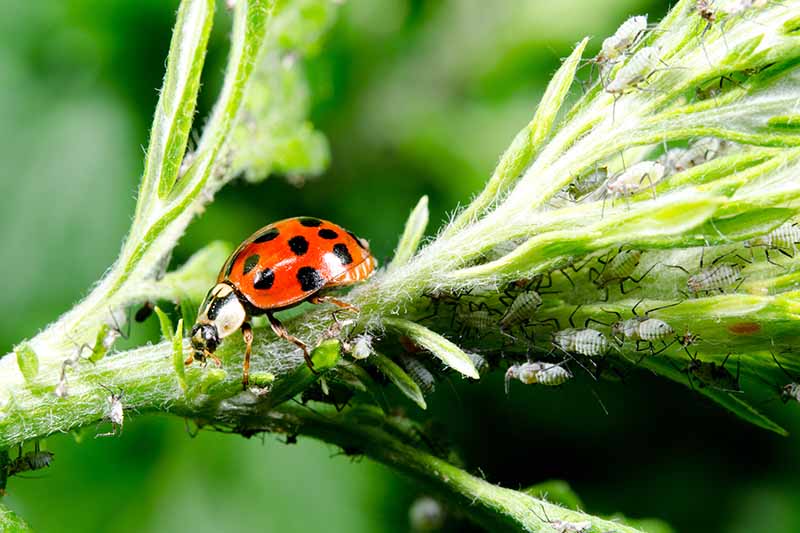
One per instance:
(277, 267)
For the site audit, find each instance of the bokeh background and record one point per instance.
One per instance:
(416, 98)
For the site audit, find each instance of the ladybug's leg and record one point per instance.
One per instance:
(281, 332)
(334, 301)
(247, 335)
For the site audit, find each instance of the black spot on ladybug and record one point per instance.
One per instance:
(359, 241)
(341, 251)
(298, 244)
(267, 235)
(250, 263)
(326, 233)
(310, 222)
(264, 279)
(309, 278)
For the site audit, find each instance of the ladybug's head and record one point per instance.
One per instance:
(220, 315)
(205, 340)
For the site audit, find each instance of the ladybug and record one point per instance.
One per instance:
(278, 267)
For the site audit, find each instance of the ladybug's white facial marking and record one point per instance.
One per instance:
(223, 310)
(230, 316)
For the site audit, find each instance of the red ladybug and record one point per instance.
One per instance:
(279, 266)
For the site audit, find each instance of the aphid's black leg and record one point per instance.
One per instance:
(247, 335)
(572, 315)
(736, 288)
(681, 268)
(590, 320)
(564, 273)
(622, 285)
(280, 331)
(643, 275)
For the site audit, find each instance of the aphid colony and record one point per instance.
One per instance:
(526, 313)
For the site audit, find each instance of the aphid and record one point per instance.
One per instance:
(713, 375)
(361, 346)
(670, 159)
(584, 185)
(538, 372)
(642, 329)
(717, 277)
(521, 308)
(702, 151)
(478, 361)
(563, 526)
(618, 269)
(478, 318)
(35, 460)
(790, 391)
(784, 239)
(115, 415)
(623, 39)
(688, 339)
(640, 67)
(705, 8)
(419, 373)
(586, 341)
(634, 179)
(279, 266)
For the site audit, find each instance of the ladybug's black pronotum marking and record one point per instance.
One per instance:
(309, 278)
(250, 263)
(326, 233)
(264, 279)
(298, 245)
(342, 253)
(310, 222)
(267, 235)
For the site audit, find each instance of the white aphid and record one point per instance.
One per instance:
(587, 341)
(362, 346)
(586, 184)
(562, 526)
(641, 328)
(634, 179)
(715, 277)
(784, 237)
(670, 159)
(538, 372)
(521, 309)
(737, 7)
(115, 414)
(790, 391)
(419, 373)
(622, 40)
(635, 71)
(702, 151)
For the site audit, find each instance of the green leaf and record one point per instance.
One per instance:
(27, 361)
(174, 113)
(167, 331)
(412, 234)
(399, 377)
(10, 522)
(446, 351)
(177, 354)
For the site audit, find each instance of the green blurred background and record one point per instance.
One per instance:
(416, 98)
